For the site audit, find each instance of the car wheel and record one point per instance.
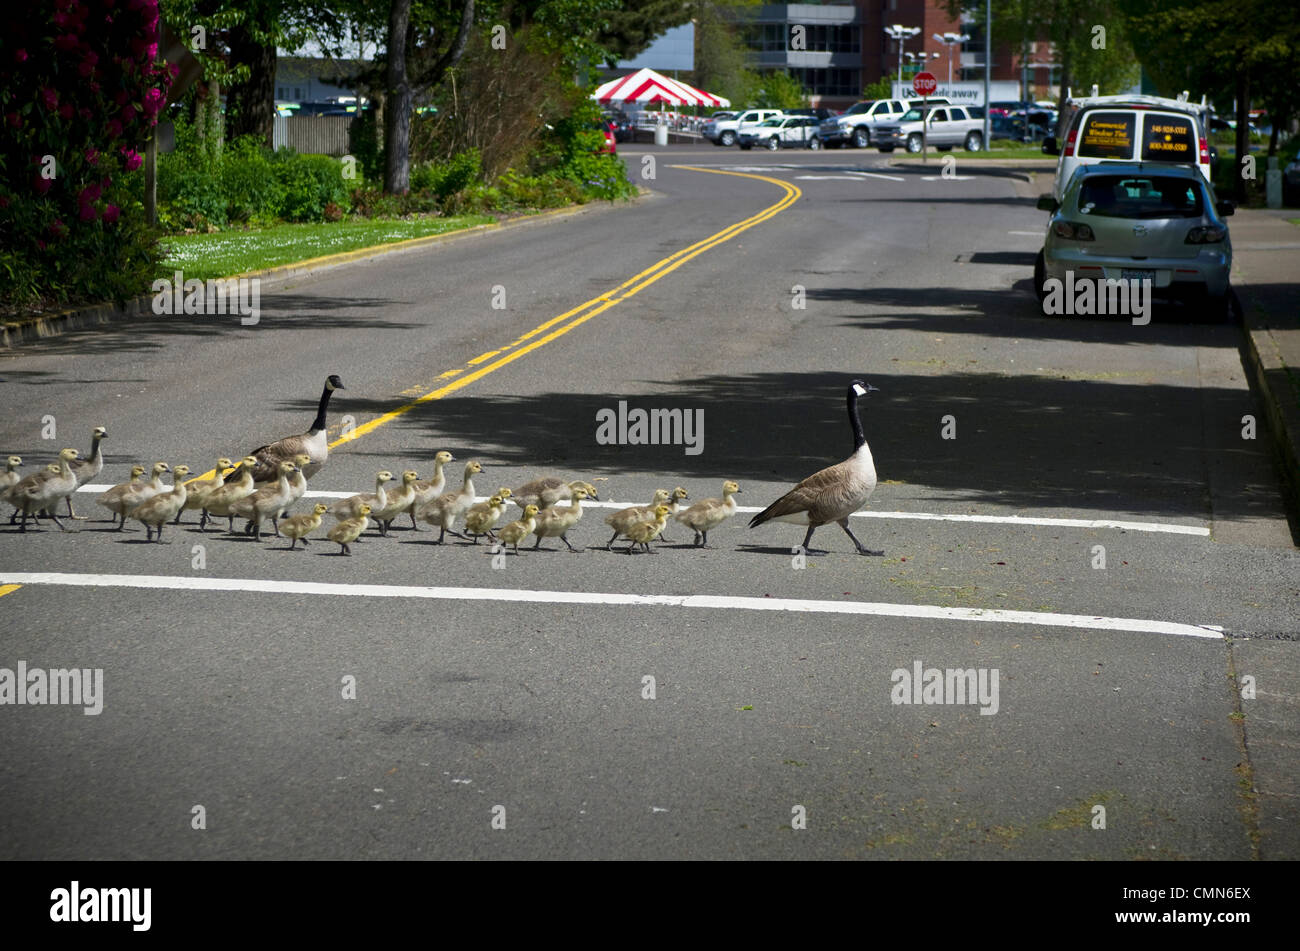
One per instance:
(773, 144)
(885, 148)
(1040, 276)
(728, 138)
(814, 143)
(974, 142)
(861, 138)
(914, 142)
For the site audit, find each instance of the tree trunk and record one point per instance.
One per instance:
(251, 104)
(397, 104)
(1243, 134)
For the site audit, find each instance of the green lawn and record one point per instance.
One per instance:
(226, 253)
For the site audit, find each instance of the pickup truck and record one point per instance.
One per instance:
(726, 131)
(856, 125)
(944, 126)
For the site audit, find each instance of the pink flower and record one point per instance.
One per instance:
(15, 120)
(121, 98)
(94, 88)
(68, 41)
(84, 111)
(110, 213)
(87, 213)
(88, 194)
(92, 156)
(132, 159)
(40, 244)
(114, 129)
(153, 101)
(43, 185)
(50, 98)
(58, 228)
(127, 115)
(20, 56)
(67, 111)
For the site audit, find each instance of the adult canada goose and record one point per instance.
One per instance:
(263, 504)
(517, 531)
(399, 500)
(429, 489)
(624, 519)
(834, 493)
(482, 517)
(115, 499)
(556, 522)
(43, 490)
(155, 512)
(238, 486)
(350, 529)
(87, 469)
(300, 526)
(122, 498)
(351, 506)
(314, 442)
(445, 509)
(546, 492)
(200, 489)
(710, 513)
(643, 532)
(245, 507)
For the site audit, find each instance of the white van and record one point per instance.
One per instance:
(1131, 129)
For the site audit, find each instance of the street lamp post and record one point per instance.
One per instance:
(950, 40)
(901, 33)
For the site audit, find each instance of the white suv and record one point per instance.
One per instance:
(1130, 129)
(725, 131)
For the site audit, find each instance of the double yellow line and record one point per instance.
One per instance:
(527, 343)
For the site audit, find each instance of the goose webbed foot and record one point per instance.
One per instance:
(862, 549)
(565, 539)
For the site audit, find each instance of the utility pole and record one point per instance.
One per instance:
(988, 63)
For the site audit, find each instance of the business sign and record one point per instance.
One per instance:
(962, 93)
(1166, 139)
(1108, 135)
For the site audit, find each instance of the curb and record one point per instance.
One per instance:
(16, 332)
(1280, 395)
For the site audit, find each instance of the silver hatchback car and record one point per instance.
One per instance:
(1139, 222)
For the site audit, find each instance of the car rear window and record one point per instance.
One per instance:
(1108, 135)
(1168, 139)
(1136, 196)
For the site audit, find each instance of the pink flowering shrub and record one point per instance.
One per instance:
(81, 88)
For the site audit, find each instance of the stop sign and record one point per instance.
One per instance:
(925, 84)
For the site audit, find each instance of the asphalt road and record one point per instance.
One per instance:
(485, 689)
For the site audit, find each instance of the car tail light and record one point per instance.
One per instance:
(1205, 152)
(1075, 232)
(1207, 234)
(1069, 143)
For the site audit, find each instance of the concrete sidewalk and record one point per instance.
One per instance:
(1266, 274)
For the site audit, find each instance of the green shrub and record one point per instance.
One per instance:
(448, 178)
(310, 182)
(249, 184)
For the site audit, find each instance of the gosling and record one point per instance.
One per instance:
(300, 526)
(349, 529)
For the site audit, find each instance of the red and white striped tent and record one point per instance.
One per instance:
(646, 86)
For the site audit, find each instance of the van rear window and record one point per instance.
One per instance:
(1168, 139)
(1108, 135)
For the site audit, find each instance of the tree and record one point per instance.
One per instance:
(408, 76)
(628, 30)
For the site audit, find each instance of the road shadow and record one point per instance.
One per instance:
(1027, 442)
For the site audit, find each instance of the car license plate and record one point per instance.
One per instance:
(1127, 274)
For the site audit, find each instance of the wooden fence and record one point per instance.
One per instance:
(315, 135)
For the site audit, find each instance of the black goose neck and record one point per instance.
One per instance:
(319, 423)
(859, 438)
